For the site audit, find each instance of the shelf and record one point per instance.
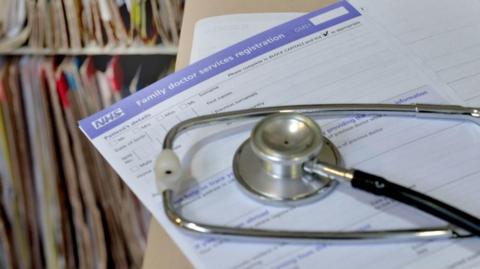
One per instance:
(144, 50)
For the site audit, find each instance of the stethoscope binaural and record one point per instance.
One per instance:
(287, 161)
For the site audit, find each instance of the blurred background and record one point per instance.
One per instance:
(61, 205)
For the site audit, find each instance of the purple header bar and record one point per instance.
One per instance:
(206, 68)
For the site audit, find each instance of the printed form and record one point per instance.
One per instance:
(442, 33)
(328, 56)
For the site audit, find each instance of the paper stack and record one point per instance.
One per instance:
(78, 24)
(61, 204)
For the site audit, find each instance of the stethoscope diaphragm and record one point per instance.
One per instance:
(269, 165)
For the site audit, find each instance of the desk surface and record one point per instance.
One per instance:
(161, 251)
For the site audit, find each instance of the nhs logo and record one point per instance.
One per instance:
(107, 118)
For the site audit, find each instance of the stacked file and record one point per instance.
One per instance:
(61, 204)
(77, 24)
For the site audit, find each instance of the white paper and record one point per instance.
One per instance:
(444, 34)
(105, 12)
(357, 64)
(216, 33)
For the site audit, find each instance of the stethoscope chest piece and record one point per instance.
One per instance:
(269, 165)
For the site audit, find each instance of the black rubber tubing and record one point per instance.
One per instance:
(380, 186)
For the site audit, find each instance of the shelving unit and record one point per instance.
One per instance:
(132, 50)
(74, 211)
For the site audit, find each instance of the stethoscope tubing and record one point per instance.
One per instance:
(461, 224)
(380, 186)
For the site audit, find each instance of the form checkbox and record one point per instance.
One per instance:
(113, 142)
(159, 117)
(134, 168)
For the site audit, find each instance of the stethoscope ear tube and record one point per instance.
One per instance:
(425, 233)
(380, 186)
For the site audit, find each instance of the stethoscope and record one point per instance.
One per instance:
(287, 161)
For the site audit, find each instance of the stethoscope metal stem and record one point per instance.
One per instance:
(330, 171)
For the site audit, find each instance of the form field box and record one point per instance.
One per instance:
(329, 15)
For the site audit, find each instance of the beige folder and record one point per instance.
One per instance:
(161, 251)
